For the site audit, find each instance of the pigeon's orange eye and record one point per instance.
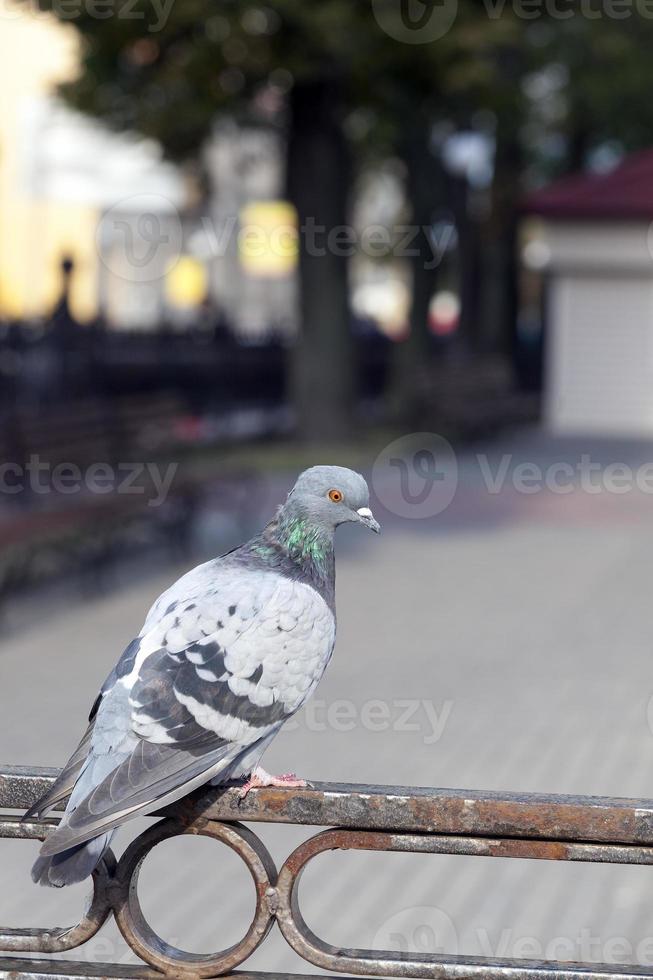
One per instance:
(335, 496)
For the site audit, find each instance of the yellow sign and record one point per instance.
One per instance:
(267, 239)
(186, 282)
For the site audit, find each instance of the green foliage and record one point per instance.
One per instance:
(170, 76)
(169, 71)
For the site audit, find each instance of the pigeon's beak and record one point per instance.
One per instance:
(366, 517)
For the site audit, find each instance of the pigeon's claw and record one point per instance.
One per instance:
(259, 777)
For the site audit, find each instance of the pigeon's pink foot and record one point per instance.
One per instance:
(259, 777)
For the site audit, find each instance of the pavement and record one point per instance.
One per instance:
(501, 643)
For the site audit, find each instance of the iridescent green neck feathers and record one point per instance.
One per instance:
(303, 540)
(307, 544)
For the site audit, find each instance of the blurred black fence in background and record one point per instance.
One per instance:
(209, 370)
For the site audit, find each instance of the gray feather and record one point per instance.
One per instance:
(65, 781)
(71, 866)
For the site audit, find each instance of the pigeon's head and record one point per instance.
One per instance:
(333, 495)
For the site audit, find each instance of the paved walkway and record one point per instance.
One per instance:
(504, 644)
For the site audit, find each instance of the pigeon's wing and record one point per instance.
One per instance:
(216, 675)
(151, 776)
(65, 781)
(63, 784)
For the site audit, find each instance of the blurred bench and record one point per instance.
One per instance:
(92, 430)
(475, 398)
(44, 532)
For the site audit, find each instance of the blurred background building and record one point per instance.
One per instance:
(595, 252)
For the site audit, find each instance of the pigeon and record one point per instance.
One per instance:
(227, 654)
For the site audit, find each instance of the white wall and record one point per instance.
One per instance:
(599, 370)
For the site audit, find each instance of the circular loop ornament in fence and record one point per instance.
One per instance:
(59, 939)
(148, 944)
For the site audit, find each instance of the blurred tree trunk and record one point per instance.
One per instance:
(470, 333)
(579, 131)
(579, 144)
(502, 265)
(322, 365)
(501, 272)
(409, 391)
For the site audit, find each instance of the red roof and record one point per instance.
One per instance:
(624, 193)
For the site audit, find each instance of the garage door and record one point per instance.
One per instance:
(600, 355)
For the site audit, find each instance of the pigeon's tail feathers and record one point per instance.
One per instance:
(71, 866)
(63, 784)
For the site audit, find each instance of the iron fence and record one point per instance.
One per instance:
(371, 818)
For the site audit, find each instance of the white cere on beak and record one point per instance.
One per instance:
(367, 518)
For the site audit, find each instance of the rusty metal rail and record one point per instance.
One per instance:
(372, 818)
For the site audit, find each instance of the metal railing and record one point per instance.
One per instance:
(371, 818)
